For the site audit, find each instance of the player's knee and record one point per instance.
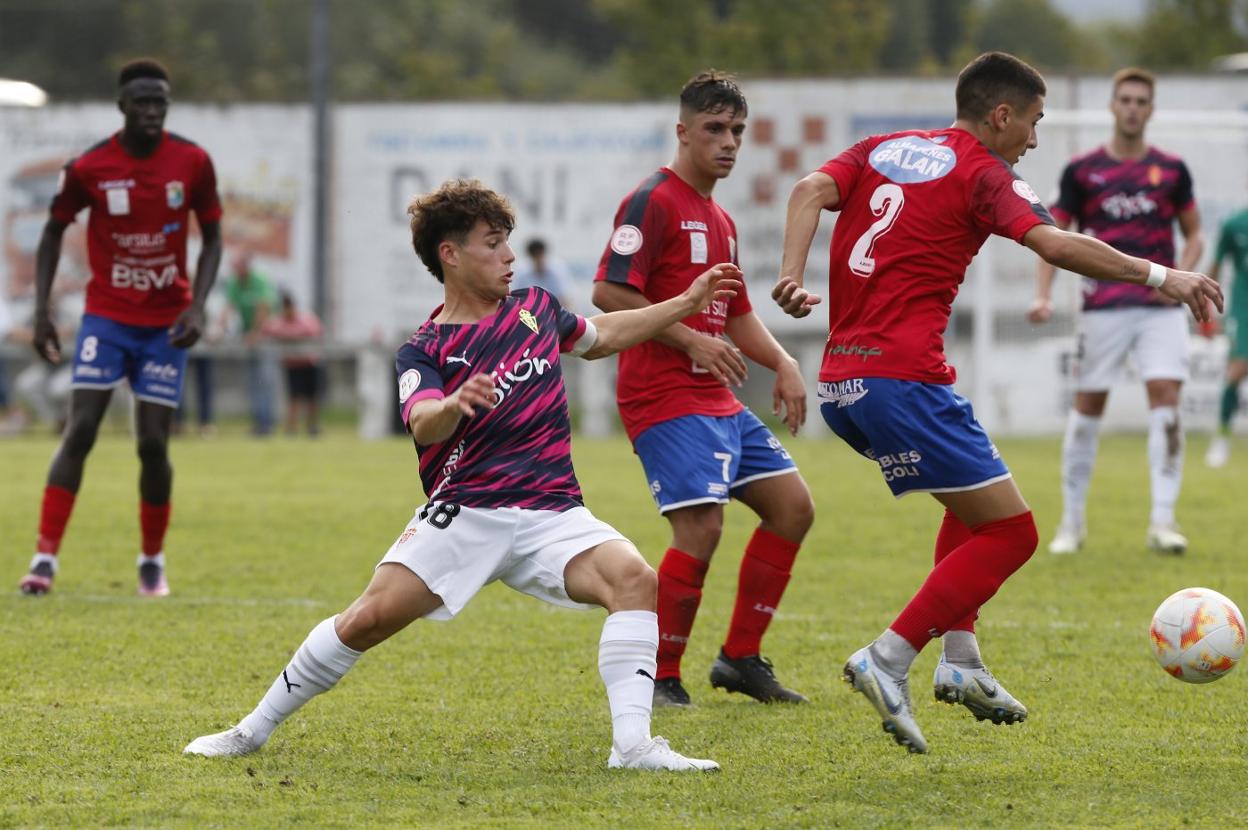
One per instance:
(635, 585)
(363, 625)
(800, 515)
(79, 437)
(152, 450)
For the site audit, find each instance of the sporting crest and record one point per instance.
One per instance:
(528, 319)
(175, 194)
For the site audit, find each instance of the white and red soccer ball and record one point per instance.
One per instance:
(1197, 635)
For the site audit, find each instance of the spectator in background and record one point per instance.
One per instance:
(298, 331)
(251, 297)
(41, 390)
(544, 272)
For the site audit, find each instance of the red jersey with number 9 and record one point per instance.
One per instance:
(916, 207)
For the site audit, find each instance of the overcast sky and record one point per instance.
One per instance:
(1083, 10)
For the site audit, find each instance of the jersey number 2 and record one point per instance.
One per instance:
(886, 203)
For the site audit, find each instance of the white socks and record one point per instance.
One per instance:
(626, 663)
(1165, 462)
(962, 649)
(893, 653)
(1078, 456)
(318, 664)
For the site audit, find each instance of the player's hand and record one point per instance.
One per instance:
(794, 300)
(1041, 311)
(719, 357)
(476, 392)
(789, 393)
(1196, 291)
(719, 282)
(45, 339)
(1209, 329)
(186, 330)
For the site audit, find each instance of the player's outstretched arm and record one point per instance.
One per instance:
(191, 323)
(617, 330)
(1093, 258)
(44, 337)
(812, 195)
(1042, 306)
(714, 354)
(788, 396)
(431, 421)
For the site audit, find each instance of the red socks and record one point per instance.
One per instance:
(58, 503)
(153, 521)
(953, 533)
(680, 592)
(765, 571)
(967, 577)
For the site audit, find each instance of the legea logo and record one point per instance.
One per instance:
(912, 159)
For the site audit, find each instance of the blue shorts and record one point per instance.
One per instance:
(924, 436)
(108, 351)
(700, 459)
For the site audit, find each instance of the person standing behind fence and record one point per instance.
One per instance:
(543, 271)
(1129, 195)
(141, 185)
(252, 297)
(297, 331)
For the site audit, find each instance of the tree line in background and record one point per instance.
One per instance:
(236, 50)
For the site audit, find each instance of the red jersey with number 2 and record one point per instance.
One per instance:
(136, 233)
(666, 235)
(915, 208)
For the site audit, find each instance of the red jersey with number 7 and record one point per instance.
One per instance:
(915, 208)
(666, 235)
(137, 229)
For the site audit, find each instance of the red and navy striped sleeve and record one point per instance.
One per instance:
(636, 243)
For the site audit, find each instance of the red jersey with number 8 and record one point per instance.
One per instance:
(915, 208)
(136, 233)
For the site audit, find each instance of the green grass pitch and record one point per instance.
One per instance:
(498, 718)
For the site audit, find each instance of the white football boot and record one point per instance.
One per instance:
(656, 754)
(1068, 539)
(231, 742)
(977, 690)
(890, 697)
(1166, 539)
(1219, 452)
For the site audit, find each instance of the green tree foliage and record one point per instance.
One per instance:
(1184, 34)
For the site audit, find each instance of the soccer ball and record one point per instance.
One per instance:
(1197, 635)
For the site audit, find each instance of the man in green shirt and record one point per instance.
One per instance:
(253, 298)
(1233, 243)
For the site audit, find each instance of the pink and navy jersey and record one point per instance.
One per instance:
(666, 234)
(915, 207)
(1131, 204)
(136, 233)
(518, 454)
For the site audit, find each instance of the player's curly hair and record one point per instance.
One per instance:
(142, 68)
(712, 91)
(450, 213)
(995, 78)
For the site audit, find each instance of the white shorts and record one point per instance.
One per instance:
(457, 551)
(1156, 339)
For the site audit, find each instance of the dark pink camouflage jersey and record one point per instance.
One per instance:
(1131, 204)
(519, 454)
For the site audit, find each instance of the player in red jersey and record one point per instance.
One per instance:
(915, 208)
(697, 444)
(1130, 195)
(141, 186)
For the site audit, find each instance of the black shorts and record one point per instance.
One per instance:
(303, 383)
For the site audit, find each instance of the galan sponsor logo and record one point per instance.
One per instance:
(912, 159)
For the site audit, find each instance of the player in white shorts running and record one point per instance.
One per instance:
(481, 389)
(1128, 194)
